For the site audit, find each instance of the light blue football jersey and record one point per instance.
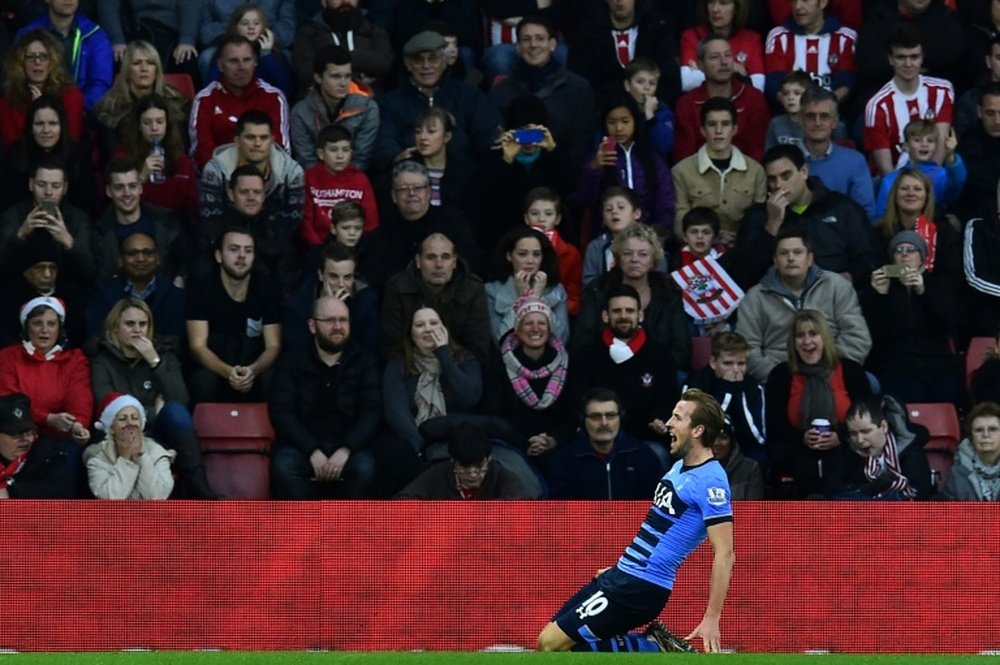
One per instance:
(687, 501)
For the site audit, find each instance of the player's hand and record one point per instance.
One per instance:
(708, 631)
(601, 571)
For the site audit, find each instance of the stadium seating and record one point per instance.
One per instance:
(236, 444)
(941, 421)
(182, 82)
(974, 356)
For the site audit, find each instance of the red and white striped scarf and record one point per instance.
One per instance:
(875, 466)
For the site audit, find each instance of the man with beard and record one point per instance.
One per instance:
(247, 196)
(342, 24)
(326, 408)
(639, 369)
(602, 461)
(233, 325)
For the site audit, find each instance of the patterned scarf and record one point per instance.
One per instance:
(875, 466)
(927, 230)
(984, 478)
(520, 376)
(428, 396)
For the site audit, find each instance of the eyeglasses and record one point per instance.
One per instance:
(906, 249)
(598, 417)
(410, 189)
(36, 57)
(473, 471)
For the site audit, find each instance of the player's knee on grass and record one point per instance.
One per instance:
(552, 638)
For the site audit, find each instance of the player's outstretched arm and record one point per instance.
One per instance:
(721, 537)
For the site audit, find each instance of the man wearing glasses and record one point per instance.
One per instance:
(472, 473)
(326, 407)
(27, 470)
(477, 122)
(411, 219)
(602, 461)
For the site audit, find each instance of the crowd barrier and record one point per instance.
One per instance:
(89, 575)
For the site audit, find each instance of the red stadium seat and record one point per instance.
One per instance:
(182, 82)
(941, 421)
(701, 349)
(974, 357)
(236, 444)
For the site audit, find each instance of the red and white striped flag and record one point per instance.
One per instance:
(710, 294)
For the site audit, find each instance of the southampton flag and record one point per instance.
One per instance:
(710, 294)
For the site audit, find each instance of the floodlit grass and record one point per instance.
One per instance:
(462, 658)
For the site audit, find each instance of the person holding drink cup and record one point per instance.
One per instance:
(807, 400)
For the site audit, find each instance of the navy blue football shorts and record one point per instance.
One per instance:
(610, 605)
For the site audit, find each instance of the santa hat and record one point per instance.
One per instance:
(112, 404)
(55, 304)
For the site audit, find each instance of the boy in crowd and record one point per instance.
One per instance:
(701, 229)
(332, 180)
(787, 128)
(543, 212)
(741, 397)
(919, 148)
(642, 76)
(619, 210)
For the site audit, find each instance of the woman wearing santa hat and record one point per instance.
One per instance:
(126, 464)
(55, 379)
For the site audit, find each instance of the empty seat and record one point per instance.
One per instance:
(236, 444)
(941, 421)
(183, 83)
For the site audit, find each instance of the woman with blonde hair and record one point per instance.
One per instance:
(35, 67)
(141, 74)
(131, 360)
(912, 207)
(807, 400)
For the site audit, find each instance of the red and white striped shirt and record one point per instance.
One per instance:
(889, 111)
(820, 55)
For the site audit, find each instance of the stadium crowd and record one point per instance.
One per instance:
(470, 248)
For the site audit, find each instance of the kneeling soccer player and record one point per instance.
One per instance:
(690, 503)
